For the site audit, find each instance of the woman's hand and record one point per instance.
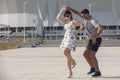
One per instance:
(63, 8)
(94, 40)
(59, 18)
(77, 32)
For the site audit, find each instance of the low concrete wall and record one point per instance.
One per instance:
(82, 43)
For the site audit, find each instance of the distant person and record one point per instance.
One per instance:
(69, 41)
(93, 30)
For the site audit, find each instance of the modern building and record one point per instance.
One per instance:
(29, 17)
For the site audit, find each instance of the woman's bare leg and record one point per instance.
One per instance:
(69, 61)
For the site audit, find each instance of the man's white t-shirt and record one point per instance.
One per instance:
(91, 27)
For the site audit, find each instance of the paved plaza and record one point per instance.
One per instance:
(48, 63)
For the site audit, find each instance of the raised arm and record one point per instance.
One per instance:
(74, 11)
(59, 16)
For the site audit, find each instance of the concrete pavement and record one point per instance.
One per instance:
(48, 63)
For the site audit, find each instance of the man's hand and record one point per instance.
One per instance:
(73, 10)
(67, 7)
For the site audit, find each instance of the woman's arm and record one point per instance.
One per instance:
(59, 18)
(77, 23)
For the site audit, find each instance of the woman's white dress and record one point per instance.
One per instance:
(69, 40)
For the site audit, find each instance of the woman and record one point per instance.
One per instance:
(69, 40)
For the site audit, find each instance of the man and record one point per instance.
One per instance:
(93, 30)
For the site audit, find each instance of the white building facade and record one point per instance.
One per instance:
(41, 16)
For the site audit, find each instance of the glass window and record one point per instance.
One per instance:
(118, 27)
(105, 27)
(112, 27)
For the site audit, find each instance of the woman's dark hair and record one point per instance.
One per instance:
(85, 11)
(67, 12)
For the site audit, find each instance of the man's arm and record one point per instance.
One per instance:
(74, 11)
(98, 26)
(99, 31)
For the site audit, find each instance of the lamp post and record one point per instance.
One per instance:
(90, 5)
(24, 4)
(34, 29)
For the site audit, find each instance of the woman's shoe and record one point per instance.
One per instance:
(70, 76)
(73, 63)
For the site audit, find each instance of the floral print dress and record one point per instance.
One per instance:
(69, 40)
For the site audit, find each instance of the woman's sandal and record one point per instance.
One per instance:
(70, 76)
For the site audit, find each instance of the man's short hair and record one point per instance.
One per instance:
(85, 11)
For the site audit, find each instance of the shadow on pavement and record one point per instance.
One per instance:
(111, 77)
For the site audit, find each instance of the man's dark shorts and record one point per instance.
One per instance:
(94, 47)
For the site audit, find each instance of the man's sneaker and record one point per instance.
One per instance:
(92, 70)
(97, 74)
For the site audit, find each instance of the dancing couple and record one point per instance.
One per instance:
(93, 30)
